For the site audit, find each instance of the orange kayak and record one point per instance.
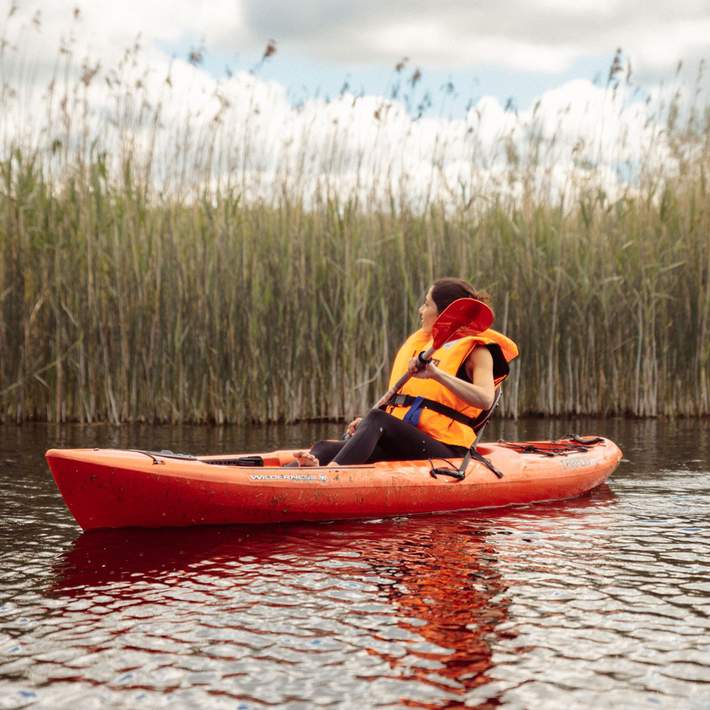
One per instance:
(107, 488)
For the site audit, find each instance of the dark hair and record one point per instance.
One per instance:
(445, 291)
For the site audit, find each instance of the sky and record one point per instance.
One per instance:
(449, 60)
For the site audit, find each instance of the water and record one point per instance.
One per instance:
(599, 602)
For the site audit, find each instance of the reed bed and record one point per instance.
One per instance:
(147, 274)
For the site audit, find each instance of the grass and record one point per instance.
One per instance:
(167, 271)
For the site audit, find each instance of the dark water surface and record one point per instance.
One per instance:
(594, 603)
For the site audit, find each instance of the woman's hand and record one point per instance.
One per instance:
(427, 372)
(352, 427)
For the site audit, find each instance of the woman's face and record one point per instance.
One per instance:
(428, 313)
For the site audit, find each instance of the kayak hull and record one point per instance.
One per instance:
(105, 488)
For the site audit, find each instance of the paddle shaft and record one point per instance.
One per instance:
(424, 358)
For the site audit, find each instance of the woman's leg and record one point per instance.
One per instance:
(325, 451)
(395, 439)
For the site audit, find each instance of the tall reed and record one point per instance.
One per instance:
(178, 274)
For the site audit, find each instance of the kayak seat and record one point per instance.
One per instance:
(473, 453)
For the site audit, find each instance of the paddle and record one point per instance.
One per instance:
(462, 317)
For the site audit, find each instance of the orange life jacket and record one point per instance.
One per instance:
(453, 424)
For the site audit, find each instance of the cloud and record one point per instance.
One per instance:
(543, 35)
(103, 30)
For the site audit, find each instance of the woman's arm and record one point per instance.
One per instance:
(480, 392)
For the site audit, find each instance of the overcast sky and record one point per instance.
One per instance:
(555, 53)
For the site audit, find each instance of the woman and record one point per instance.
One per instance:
(431, 416)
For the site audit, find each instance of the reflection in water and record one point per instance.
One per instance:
(423, 596)
(451, 594)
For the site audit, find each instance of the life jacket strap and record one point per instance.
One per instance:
(407, 400)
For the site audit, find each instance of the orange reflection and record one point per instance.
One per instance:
(459, 594)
